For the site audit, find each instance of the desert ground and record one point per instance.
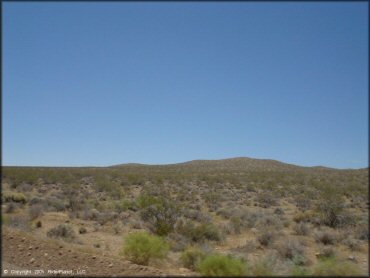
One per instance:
(237, 216)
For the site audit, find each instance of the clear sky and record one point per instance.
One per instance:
(108, 83)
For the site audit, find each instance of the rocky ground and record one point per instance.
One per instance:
(22, 252)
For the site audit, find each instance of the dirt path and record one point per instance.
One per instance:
(22, 252)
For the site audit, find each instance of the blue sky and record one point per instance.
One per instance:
(109, 83)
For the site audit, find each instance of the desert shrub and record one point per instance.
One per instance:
(82, 230)
(298, 270)
(224, 212)
(352, 243)
(279, 211)
(125, 205)
(267, 199)
(269, 221)
(11, 207)
(333, 267)
(160, 216)
(90, 214)
(177, 242)
(200, 233)
(325, 237)
(265, 267)
(36, 201)
(196, 215)
(141, 247)
(35, 211)
(346, 219)
(326, 252)
(145, 200)
(293, 250)
(62, 231)
(54, 204)
(220, 265)
(362, 232)
(329, 206)
(16, 197)
(301, 229)
(306, 216)
(266, 238)
(303, 203)
(191, 258)
(21, 222)
(38, 224)
(249, 218)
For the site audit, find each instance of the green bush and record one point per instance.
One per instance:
(141, 247)
(332, 267)
(14, 196)
(220, 265)
(191, 258)
(161, 215)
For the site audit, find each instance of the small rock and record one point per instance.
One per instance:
(23, 239)
(94, 257)
(36, 247)
(29, 254)
(30, 248)
(46, 254)
(61, 246)
(317, 254)
(11, 237)
(60, 253)
(32, 260)
(110, 265)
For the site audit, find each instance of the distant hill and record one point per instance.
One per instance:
(231, 164)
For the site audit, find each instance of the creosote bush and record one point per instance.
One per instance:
(159, 213)
(221, 265)
(141, 247)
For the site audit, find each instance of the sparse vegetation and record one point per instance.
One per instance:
(305, 217)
